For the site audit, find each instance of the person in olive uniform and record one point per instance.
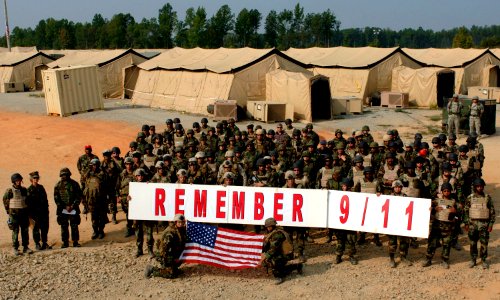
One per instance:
(38, 206)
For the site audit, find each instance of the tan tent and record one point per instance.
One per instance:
(22, 67)
(111, 64)
(426, 86)
(309, 94)
(357, 72)
(472, 66)
(19, 49)
(191, 79)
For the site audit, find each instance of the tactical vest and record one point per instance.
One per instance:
(93, 187)
(326, 174)
(18, 201)
(124, 184)
(391, 175)
(357, 174)
(464, 164)
(474, 154)
(149, 161)
(178, 140)
(444, 214)
(65, 189)
(351, 152)
(438, 155)
(368, 187)
(479, 207)
(367, 160)
(304, 181)
(413, 189)
(440, 183)
(475, 110)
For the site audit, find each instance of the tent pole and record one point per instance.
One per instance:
(7, 32)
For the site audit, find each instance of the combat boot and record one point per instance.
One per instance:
(16, 252)
(76, 245)
(148, 271)
(486, 265)
(38, 247)
(139, 253)
(94, 235)
(427, 263)
(151, 252)
(300, 269)
(129, 233)
(392, 263)
(338, 259)
(27, 250)
(114, 219)
(353, 260)
(457, 247)
(302, 258)
(406, 261)
(445, 264)
(65, 245)
(101, 234)
(376, 240)
(279, 280)
(472, 263)
(362, 239)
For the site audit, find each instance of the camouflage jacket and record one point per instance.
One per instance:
(67, 193)
(170, 245)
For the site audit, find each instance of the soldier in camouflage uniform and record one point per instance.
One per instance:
(368, 184)
(404, 241)
(115, 155)
(194, 173)
(38, 206)
(346, 239)
(169, 249)
(94, 194)
(67, 196)
(273, 256)
(122, 191)
(14, 201)
(141, 226)
(476, 111)
(479, 218)
(454, 110)
(160, 176)
(83, 164)
(112, 171)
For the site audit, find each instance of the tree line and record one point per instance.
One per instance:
(283, 29)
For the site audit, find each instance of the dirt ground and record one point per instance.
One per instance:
(108, 269)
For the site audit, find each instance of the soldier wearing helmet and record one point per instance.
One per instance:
(67, 196)
(132, 148)
(204, 125)
(140, 225)
(95, 200)
(83, 163)
(158, 146)
(194, 174)
(122, 191)
(367, 137)
(479, 217)
(404, 241)
(182, 176)
(161, 175)
(277, 251)
(389, 172)
(112, 171)
(115, 155)
(476, 111)
(14, 201)
(356, 172)
(169, 249)
(38, 206)
(444, 209)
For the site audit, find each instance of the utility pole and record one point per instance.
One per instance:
(7, 31)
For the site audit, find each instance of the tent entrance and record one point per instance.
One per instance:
(445, 86)
(320, 99)
(494, 77)
(38, 77)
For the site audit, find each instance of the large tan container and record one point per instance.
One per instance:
(394, 99)
(484, 92)
(72, 90)
(270, 111)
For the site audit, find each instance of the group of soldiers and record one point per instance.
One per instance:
(287, 157)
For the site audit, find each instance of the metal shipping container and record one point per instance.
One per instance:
(270, 111)
(488, 120)
(71, 90)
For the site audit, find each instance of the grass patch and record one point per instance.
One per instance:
(37, 95)
(400, 110)
(435, 117)
(384, 125)
(433, 129)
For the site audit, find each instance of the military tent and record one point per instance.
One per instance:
(191, 79)
(22, 67)
(426, 86)
(357, 72)
(472, 66)
(111, 65)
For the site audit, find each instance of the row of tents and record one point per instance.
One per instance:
(192, 79)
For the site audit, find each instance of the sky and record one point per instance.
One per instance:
(393, 14)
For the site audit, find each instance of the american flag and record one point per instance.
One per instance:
(222, 247)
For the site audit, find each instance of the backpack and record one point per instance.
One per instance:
(287, 245)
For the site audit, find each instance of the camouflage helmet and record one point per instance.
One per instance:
(338, 131)
(141, 135)
(145, 127)
(160, 165)
(182, 172)
(133, 144)
(227, 164)
(463, 148)
(446, 186)
(373, 145)
(396, 183)
(200, 154)
(179, 218)
(192, 161)
(196, 125)
(116, 150)
(270, 222)
(64, 172)
(136, 154)
(95, 162)
(358, 159)
(15, 177)
(478, 181)
(190, 131)
(453, 156)
(169, 121)
(365, 128)
(345, 181)
(177, 120)
(204, 120)
(309, 126)
(229, 153)
(107, 152)
(446, 166)
(229, 175)
(148, 146)
(289, 175)
(128, 160)
(140, 172)
(34, 175)
(475, 98)
(261, 162)
(368, 170)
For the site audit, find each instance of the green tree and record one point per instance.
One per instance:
(119, 31)
(285, 20)
(463, 39)
(297, 27)
(490, 42)
(246, 27)
(167, 19)
(219, 26)
(271, 29)
(196, 22)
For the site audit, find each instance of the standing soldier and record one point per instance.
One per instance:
(389, 172)
(122, 191)
(345, 238)
(140, 176)
(95, 197)
(277, 251)
(393, 239)
(112, 171)
(115, 154)
(443, 214)
(38, 205)
(14, 201)
(300, 231)
(83, 164)
(476, 112)
(454, 109)
(479, 217)
(161, 176)
(325, 173)
(67, 196)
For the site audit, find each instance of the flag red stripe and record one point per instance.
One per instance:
(218, 242)
(203, 262)
(243, 239)
(235, 252)
(215, 256)
(238, 232)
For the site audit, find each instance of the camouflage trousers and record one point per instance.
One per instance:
(124, 204)
(69, 221)
(475, 125)
(345, 240)
(404, 243)
(168, 271)
(299, 239)
(99, 220)
(19, 221)
(41, 229)
(279, 266)
(443, 233)
(478, 231)
(140, 227)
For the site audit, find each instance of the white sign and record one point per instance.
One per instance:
(231, 204)
(290, 207)
(393, 215)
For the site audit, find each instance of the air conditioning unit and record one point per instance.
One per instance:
(13, 87)
(269, 111)
(354, 106)
(225, 110)
(394, 99)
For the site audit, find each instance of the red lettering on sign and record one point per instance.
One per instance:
(160, 202)
(278, 206)
(409, 212)
(220, 203)
(385, 210)
(298, 201)
(344, 209)
(179, 200)
(364, 212)
(258, 210)
(238, 205)
(200, 203)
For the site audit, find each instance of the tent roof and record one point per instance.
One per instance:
(344, 57)
(496, 52)
(447, 58)
(221, 60)
(89, 57)
(19, 49)
(15, 58)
